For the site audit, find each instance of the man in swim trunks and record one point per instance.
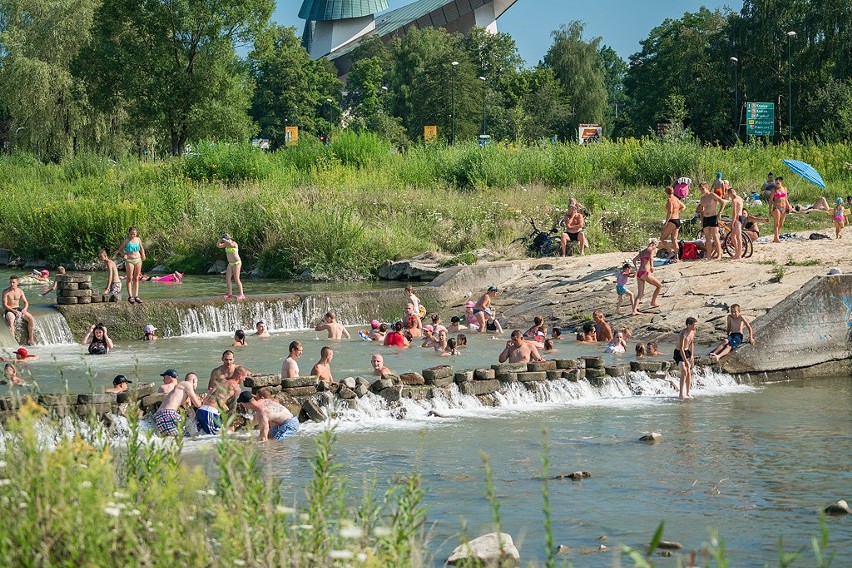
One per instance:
(322, 369)
(221, 373)
(335, 330)
(574, 223)
(734, 329)
(113, 285)
(290, 369)
(518, 350)
(16, 306)
(684, 356)
(208, 418)
(483, 308)
(711, 206)
(737, 222)
(167, 417)
(274, 421)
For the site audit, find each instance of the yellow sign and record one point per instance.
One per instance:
(291, 135)
(430, 133)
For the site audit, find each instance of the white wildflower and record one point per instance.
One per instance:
(282, 510)
(2, 463)
(381, 532)
(119, 495)
(361, 557)
(211, 492)
(304, 517)
(86, 484)
(22, 505)
(112, 511)
(239, 562)
(352, 532)
(5, 482)
(341, 554)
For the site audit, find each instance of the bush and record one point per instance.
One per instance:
(226, 162)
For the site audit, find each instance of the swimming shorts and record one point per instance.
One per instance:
(710, 221)
(840, 218)
(573, 236)
(741, 219)
(735, 340)
(486, 310)
(620, 290)
(679, 358)
(114, 288)
(286, 429)
(15, 311)
(167, 422)
(207, 420)
(133, 261)
(675, 222)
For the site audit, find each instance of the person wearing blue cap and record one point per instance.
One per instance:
(839, 218)
(170, 381)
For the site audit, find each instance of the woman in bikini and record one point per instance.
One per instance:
(750, 226)
(232, 274)
(779, 206)
(133, 253)
(671, 228)
(644, 262)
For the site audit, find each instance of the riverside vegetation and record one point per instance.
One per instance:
(82, 501)
(342, 209)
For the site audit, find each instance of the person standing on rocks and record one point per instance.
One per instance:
(113, 285)
(335, 330)
(518, 350)
(322, 369)
(644, 262)
(684, 356)
(167, 417)
(273, 420)
(671, 226)
(483, 307)
(711, 206)
(290, 369)
(15, 307)
(208, 419)
(221, 373)
(235, 264)
(134, 254)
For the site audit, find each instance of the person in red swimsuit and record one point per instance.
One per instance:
(644, 262)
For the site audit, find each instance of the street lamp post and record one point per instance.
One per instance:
(484, 94)
(453, 106)
(735, 61)
(791, 35)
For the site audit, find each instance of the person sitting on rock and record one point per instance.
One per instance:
(735, 323)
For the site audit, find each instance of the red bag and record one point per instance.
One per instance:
(689, 252)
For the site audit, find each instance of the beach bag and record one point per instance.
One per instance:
(689, 252)
(681, 188)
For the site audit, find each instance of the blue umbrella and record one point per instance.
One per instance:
(806, 171)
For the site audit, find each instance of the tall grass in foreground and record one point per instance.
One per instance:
(342, 209)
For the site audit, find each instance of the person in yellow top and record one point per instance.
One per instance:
(235, 265)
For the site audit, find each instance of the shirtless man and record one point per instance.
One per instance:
(260, 329)
(170, 381)
(113, 285)
(21, 356)
(378, 364)
(322, 369)
(734, 330)
(684, 356)
(223, 371)
(273, 420)
(335, 330)
(119, 384)
(737, 222)
(518, 350)
(167, 417)
(711, 206)
(603, 331)
(208, 418)
(15, 305)
(290, 369)
(483, 308)
(574, 223)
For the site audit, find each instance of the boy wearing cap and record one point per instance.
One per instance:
(149, 333)
(428, 337)
(273, 420)
(170, 381)
(167, 417)
(482, 308)
(21, 356)
(13, 298)
(119, 384)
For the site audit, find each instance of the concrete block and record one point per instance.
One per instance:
(57, 399)
(441, 382)
(509, 367)
(308, 381)
(260, 381)
(595, 373)
(97, 398)
(364, 381)
(381, 384)
(75, 293)
(63, 301)
(360, 389)
(152, 402)
(554, 375)
(531, 376)
(463, 376)
(572, 375)
(618, 370)
(300, 391)
(506, 377)
(417, 393)
(484, 375)
(568, 363)
(412, 379)
(391, 394)
(143, 390)
(541, 366)
(346, 393)
(438, 372)
(84, 410)
(349, 382)
(479, 388)
(312, 411)
(593, 362)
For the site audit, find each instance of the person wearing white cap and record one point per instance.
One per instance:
(149, 333)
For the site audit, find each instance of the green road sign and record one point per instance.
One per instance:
(760, 119)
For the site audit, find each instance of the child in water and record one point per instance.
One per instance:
(621, 286)
(839, 218)
(617, 345)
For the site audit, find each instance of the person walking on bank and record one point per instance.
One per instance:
(134, 254)
(235, 265)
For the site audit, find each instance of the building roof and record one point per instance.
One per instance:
(327, 10)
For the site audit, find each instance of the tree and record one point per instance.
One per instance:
(578, 67)
(291, 88)
(173, 66)
(545, 109)
(615, 70)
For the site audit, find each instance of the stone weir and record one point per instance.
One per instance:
(807, 334)
(312, 400)
(81, 306)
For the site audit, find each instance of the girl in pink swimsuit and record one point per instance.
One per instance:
(644, 262)
(778, 205)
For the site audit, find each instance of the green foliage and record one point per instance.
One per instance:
(226, 162)
(360, 150)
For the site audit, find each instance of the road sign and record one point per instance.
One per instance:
(760, 119)
(589, 133)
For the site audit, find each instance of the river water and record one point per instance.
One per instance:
(754, 463)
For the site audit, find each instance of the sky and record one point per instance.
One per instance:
(621, 23)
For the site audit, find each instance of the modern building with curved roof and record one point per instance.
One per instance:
(333, 28)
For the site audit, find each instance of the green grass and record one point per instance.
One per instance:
(344, 208)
